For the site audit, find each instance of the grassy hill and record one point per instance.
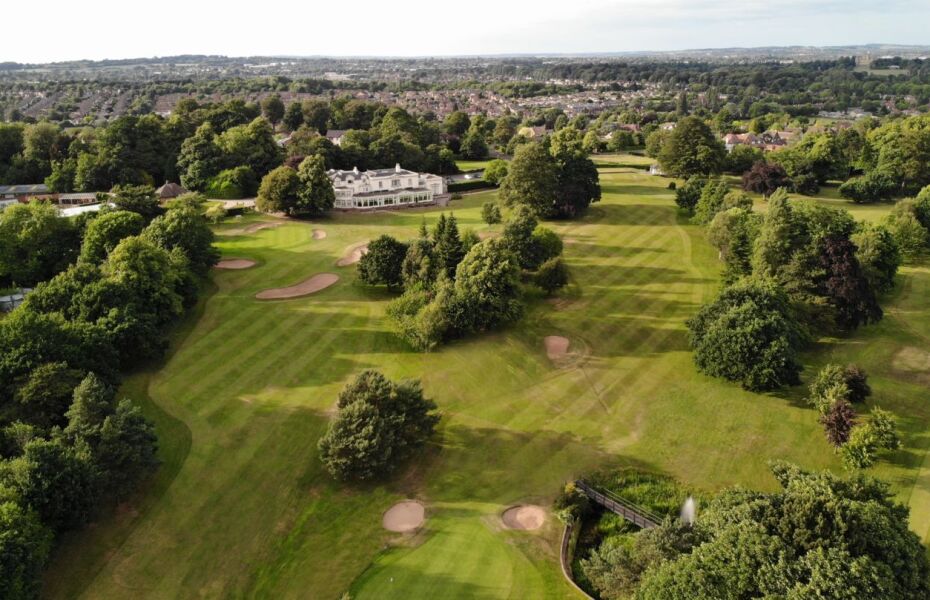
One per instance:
(242, 507)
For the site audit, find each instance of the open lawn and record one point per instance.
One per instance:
(242, 508)
(472, 165)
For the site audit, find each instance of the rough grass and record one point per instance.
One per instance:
(242, 507)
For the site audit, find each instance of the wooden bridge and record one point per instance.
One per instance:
(636, 515)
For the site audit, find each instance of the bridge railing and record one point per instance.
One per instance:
(638, 515)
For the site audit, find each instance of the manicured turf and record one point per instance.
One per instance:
(242, 507)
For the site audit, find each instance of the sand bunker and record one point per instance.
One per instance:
(250, 228)
(304, 288)
(319, 234)
(353, 255)
(235, 263)
(526, 517)
(404, 516)
(556, 347)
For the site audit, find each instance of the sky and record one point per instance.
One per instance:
(98, 29)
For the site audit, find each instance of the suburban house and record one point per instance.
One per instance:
(335, 136)
(386, 187)
(764, 141)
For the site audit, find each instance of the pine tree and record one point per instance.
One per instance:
(449, 248)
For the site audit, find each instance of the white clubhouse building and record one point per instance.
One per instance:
(386, 187)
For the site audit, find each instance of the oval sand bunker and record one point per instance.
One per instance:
(319, 234)
(353, 255)
(404, 516)
(304, 288)
(235, 263)
(525, 518)
(556, 346)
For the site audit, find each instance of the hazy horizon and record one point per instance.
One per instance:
(414, 28)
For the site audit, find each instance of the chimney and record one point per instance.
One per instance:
(355, 170)
(397, 168)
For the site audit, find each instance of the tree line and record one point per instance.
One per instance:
(108, 288)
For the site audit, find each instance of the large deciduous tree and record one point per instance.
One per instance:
(315, 194)
(200, 158)
(35, 243)
(532, 180)
(379, 424)
(748, 335)
(186, 229)
(692, 149)
(846, 286)
(273, 108)
(278, 191)
(383, 262)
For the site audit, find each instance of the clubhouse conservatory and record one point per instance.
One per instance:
(386, 187)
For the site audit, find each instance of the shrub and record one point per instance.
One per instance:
(552, 275)
(838, 422)
(834, 382)
(491, 213)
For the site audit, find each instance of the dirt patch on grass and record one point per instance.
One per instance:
(313, 285)
(556, 347)
(235, 263)
(253, 228)
(914, 362)
(353, 255)
(319, 234)
(404, 517)
(526, 517)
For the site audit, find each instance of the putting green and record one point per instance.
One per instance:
(242, 507)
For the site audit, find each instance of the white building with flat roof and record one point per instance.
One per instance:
(386, 188)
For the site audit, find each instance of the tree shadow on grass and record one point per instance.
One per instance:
(633, 275)
(578, 250)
